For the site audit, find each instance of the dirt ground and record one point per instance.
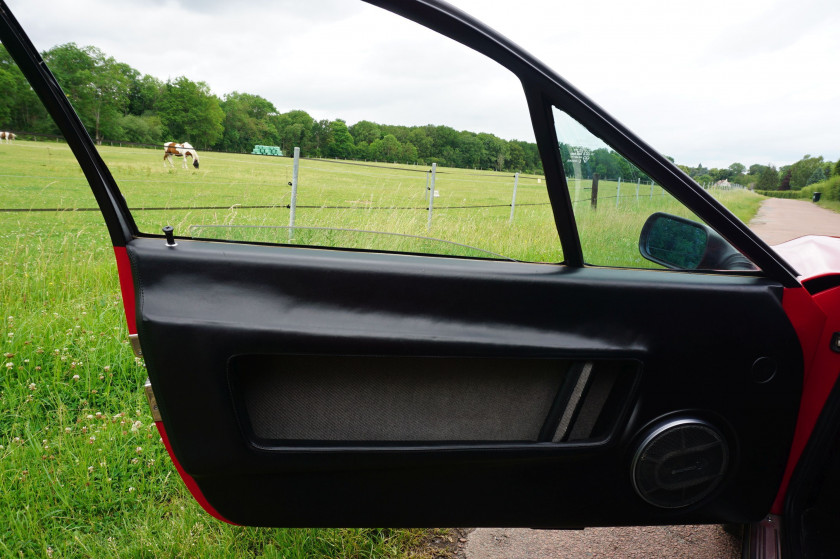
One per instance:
(777, 221)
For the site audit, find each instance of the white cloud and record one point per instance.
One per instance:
(717, 82)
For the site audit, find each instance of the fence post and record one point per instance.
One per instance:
(638, 183)
(513, 201)
(431, 196)
(427, 183)
(594, 200)
(293, 203)
(618, 192)
(651, 189)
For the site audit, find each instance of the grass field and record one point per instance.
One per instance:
(82, 471)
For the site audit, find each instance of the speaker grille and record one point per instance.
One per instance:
(679, 463)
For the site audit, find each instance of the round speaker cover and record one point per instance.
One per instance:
(679, 463)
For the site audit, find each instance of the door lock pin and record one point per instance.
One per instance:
(170, 238)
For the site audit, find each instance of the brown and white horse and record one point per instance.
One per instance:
(179, 150)
(7, 136)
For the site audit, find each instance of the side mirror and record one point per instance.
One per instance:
(681, 244)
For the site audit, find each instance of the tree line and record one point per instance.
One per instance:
(116, 103)
(807, 171)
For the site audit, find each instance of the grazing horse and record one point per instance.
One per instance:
(8, 136)
(179, 150)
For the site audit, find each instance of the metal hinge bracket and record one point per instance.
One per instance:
(150, 396)
(134, 339)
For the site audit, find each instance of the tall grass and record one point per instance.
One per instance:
(82, 470)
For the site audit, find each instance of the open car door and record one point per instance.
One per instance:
(301, 385)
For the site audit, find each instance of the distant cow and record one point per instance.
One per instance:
(179, 150)
(7, 136)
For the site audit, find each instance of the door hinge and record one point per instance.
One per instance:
(134, 339)
(763, 539)
(150, 396)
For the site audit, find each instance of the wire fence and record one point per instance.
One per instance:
(635, 188)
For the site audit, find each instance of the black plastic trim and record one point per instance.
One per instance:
(804, 482)
(555, 179)
(561, 400)
(821, 283)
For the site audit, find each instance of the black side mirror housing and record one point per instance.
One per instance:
(682, 244)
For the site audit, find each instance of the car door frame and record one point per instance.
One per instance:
(543, 89)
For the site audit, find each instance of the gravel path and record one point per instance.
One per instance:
(778, 220)
(644, 542)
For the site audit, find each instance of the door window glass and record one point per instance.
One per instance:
(408, 141)
(626, 219)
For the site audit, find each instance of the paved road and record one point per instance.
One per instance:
(777, 221)
(781, 220)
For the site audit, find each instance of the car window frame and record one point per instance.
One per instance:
(543, 89)
(543, 85)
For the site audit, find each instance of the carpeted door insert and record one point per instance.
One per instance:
(372, 398)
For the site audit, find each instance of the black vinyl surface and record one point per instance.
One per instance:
(693, 337)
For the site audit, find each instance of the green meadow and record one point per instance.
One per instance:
(82, 470)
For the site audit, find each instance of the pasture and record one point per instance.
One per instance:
(82, 471)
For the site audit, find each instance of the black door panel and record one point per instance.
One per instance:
(308, 387)
(248, 347)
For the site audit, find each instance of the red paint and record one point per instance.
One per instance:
(188, 479)
(808, 320)
(815, 320)
(126, 287)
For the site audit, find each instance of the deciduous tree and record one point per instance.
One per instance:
(802, 170)
(20, 108)
(247, 122)
(295, 129)
(785, 183)
(340, 143)
(97, 85)
(768, 178)
(817, 176)
(191, 113)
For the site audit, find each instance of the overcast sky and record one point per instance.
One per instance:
(753, 81)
